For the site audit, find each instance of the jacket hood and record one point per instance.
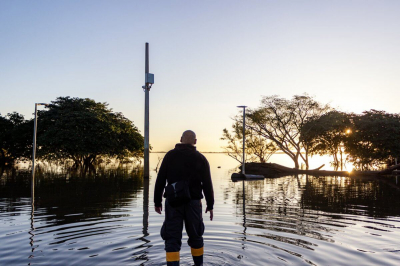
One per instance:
(185, 148)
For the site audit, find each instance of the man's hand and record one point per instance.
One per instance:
(158, 209)
(211, 213)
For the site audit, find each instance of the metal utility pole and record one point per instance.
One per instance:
(149, 80)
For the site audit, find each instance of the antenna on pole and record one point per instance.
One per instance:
(149, 80)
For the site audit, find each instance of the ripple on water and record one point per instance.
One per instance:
(288, 221)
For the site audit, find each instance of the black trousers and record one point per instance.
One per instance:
(171, 231)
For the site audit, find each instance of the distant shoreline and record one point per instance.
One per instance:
(279, 152)
(200, 151)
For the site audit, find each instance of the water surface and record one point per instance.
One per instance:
(109, 219)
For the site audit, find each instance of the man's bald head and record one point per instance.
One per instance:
(188, 137)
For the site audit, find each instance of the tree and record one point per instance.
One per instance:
(280, 120)
(326, 134)
(15, 138)
(83, 130)
(5, 127)
(258, 149)
(374, 139)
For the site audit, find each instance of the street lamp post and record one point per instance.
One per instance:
(243, 176)
(34, 149)
(244, 143)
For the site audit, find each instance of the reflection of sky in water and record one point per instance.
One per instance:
(315, 161)
(279, 158)
(294, 220)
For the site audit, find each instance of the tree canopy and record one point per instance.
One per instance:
(374, 139)
(16, 136)
(258, 149)
(326, 134)
(301, 127)
(83, 130)
(280, 121)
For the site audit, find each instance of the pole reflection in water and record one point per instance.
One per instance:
(244, 217)
(32, 229)
(142, 253)
(146, 183)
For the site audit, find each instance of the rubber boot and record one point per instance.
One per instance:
(197, 254)
(173, 258)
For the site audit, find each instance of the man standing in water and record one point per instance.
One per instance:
(184, 163)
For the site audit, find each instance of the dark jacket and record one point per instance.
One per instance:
(185, 163)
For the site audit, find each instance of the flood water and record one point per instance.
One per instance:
(109, 219)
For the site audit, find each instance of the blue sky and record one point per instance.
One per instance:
(207, 57)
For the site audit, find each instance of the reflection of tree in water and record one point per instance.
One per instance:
(273, 205)
(14, 187)
(293, 205)
(90, 196)
(269, 196)
(372, 197)
(360, 196)
(63, 195)
(70, 207)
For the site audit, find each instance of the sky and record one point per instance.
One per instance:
(207, 57)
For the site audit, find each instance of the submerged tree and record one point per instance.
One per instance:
(258, 149)
(83, 130)
(374, 139)
(280, 121)
(326, 134)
